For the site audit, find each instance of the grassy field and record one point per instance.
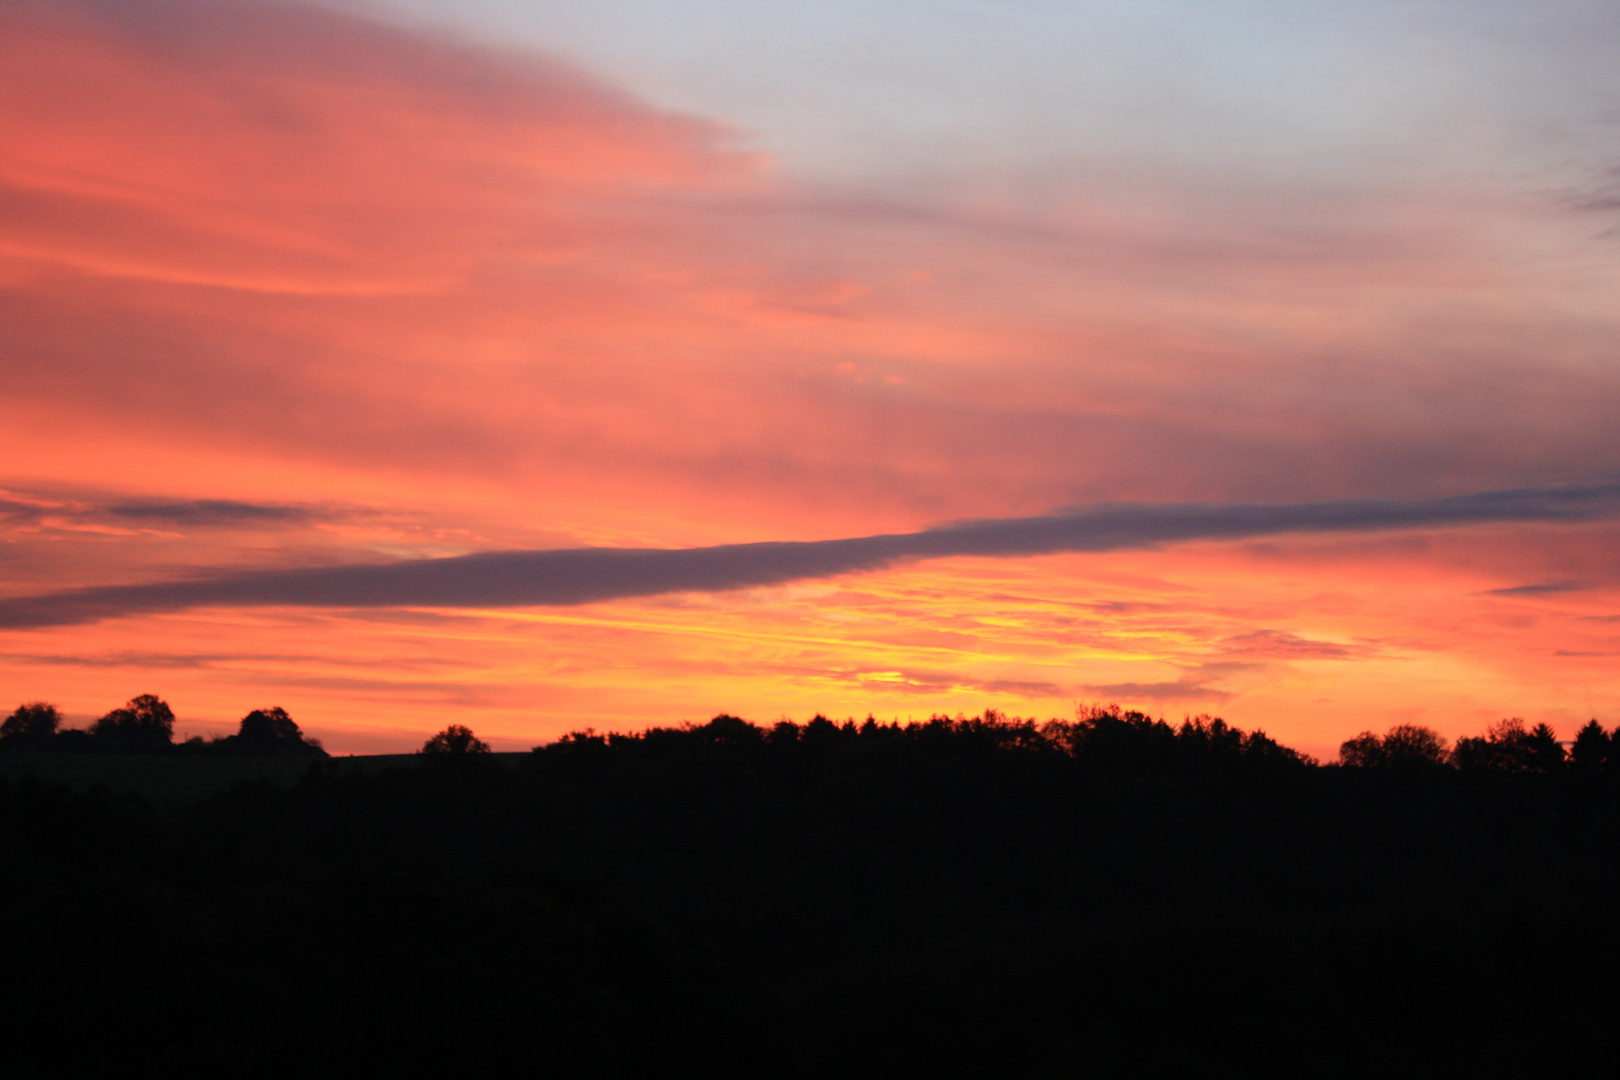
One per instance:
(166, 780)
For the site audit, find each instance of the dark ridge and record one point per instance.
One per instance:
(1112, 896)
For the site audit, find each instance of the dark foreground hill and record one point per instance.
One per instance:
(1110, 898)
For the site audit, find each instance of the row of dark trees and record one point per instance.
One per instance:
(1104, 737)
(1507, 746)
(1133, 739)
(145, 725)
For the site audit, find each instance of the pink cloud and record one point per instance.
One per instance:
(391, 256)
(283, 148)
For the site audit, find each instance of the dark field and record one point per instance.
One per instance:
(1109, 898)
(176, 781)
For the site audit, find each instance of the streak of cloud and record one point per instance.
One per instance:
(24, 512)
(1273, 645)
(587, 575)
(1551, 588)
(209, 512)
(1177, 690)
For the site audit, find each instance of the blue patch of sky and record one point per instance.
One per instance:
(1237, 90)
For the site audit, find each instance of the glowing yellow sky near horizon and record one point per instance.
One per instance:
(1311, 643)
(282, 287)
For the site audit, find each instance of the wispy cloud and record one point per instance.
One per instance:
(1551, 588)
(1279, 645)
(585, 575)
(1023, 688)
(210, 512)
(25, 512)
(1177, 690)
(1601, 195)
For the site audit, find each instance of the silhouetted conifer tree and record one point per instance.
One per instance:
(1591, 749)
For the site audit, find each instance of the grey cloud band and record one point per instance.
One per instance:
(584, 575)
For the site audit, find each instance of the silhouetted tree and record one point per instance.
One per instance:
(30, 727)
(819, 731)
(1103, 736)
(727, 730)
(271, 725)
(1592, 747)
(267, 732)
(1497, 749)
(1546, 754)
(1404, 746)
(144, 723)
(1365, 751)
(1413, 744)
(455, 739)
(1509, 746)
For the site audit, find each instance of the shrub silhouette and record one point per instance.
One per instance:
(455, 740)
(31, 726)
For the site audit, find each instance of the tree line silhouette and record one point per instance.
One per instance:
(145, 725)
(1507, 746)
(1110, 896)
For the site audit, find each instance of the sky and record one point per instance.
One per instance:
(543, 366)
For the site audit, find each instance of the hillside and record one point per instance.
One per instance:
(981, 897)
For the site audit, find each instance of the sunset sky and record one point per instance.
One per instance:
(1252, 358)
